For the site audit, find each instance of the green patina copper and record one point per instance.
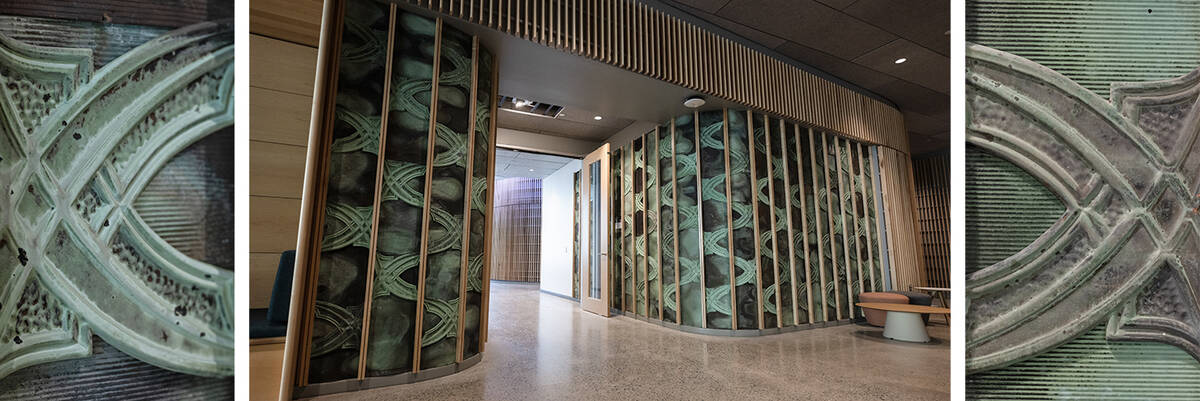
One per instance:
(95, 166)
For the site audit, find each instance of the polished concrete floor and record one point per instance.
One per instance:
(543, 347)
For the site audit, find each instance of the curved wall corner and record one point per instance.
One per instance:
(739, 223)
(390, 285)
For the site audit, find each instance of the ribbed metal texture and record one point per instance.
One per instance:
(631, 35)
(1006, 209)
(189, 203)
(107, 41)
(109, 374)
(1095, 43)
(1093, 368)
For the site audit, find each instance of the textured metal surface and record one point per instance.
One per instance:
(123, 377)
(1094, 43)
(1126, 252)
(631, 35)
(1091, 367)
(771, 180)
(398, 289)
(1006, 209)
(80, 150)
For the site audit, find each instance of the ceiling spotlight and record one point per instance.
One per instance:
(521, 103)
(901, 60)
(693, 101)
(598, 118)
(530, 169)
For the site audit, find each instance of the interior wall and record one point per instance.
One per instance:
(903, 231)
(794, 200)
(558, 236)
(281, 89)
(517, 228)
(932, 179)
(393, 264)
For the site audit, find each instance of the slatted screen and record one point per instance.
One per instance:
(632, 35)
(932, 180)
(732, 219)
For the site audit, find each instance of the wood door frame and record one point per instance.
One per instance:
(599, 306)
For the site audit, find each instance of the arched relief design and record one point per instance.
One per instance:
(746, 227)
(1124, 252)
(125, 148)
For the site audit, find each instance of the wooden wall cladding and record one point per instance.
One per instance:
(296, 21)
(517, 228)
(393, 252)
(281, 80)
(631, 35)
(903, 233)
(735, 220)
(932, 179)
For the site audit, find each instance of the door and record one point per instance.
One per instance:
(593, 269)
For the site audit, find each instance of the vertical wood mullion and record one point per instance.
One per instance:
(489, 203)
(729, 222)
(430, 154)
(675, 222)
(803, 220)
(812, 161)
(379, 166)
(774, 230)
(754, 203)
(700, 219)
(787, 207)
(837, 146)
(470, 178)
(850, 146)
(863, 161)
(645, 230)
(837, 292)
(658, 185)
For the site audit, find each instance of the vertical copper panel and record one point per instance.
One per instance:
(774, 230)
(700, 212)
(470, 180)
(675, 223)
(417, 330)
(387, 84)
(754, 201)
(733, 309)
(829, 202)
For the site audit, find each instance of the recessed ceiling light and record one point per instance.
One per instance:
(597, 117)
(530, 169)
(901, 60)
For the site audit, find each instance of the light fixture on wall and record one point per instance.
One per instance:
(901, 60)
(597, 118)
(693, 101)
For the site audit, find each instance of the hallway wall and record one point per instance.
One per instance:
(795, 201)
(558, 197)
(392, 255)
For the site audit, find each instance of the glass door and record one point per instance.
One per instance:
(593, 271)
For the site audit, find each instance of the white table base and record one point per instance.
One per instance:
(905, 326)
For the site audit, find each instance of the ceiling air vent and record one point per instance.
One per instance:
(529, 107)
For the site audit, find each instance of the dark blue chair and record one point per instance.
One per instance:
(272, 321)
(917, 298)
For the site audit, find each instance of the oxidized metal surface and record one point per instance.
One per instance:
(88, 158)
(1126, 250)
(745, 216)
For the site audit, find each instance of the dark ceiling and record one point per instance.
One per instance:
(857, 41)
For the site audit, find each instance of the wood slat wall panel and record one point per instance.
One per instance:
(277, 171)
(278, 116)
(517, 221)
(629, 35)
(282, 66)
(274, 224)
(932, 178)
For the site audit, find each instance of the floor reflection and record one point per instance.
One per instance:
(545, 347)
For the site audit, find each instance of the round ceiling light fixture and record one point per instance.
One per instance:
(901, 60)
(597, 117)
(693, 101)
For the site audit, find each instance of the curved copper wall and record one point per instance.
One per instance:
(735, 220)
(394, 245)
